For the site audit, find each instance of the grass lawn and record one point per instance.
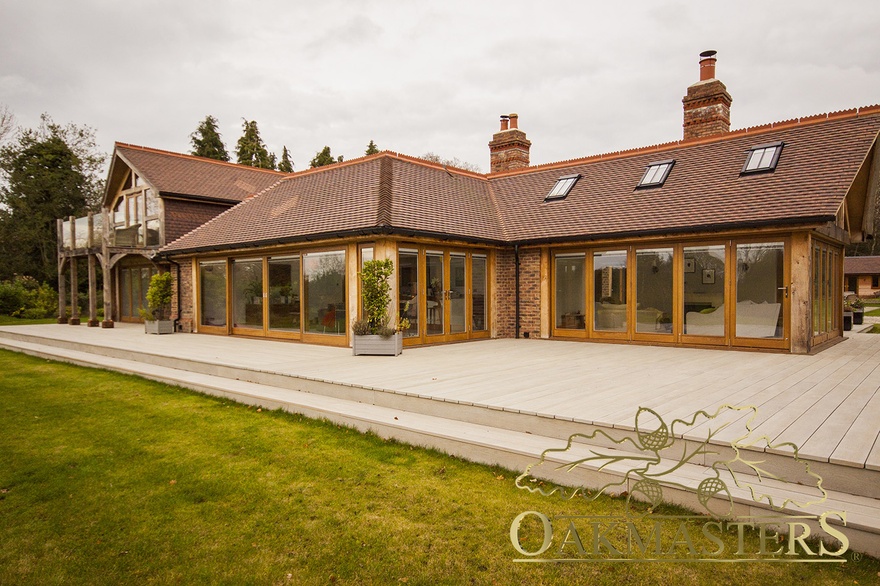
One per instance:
(6, 320)
(872, 312)
(113, 479)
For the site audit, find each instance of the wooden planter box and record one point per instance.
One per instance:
(162, 326)
(377, 345)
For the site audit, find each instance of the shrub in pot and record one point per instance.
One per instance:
(376, 332)
(156, 316)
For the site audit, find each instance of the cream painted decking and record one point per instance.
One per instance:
(827, 404)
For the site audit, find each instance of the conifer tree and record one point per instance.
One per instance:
(251, 150)
(206, 141)
(372, 149)
(286, 165)
(323, 157)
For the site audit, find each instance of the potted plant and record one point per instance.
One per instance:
(156, 320)
(858, 309)
(847, 316)
(375, 333)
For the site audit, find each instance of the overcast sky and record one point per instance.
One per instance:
(585, 77)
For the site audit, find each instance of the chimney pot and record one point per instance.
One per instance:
(707, 103)
(509, 148)
(707, 65)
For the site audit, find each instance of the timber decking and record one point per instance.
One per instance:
(827, 404)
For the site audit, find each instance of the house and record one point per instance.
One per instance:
(151, 198)
(722, 239)
(862, 274)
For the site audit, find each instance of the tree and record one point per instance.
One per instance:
(251, 150)
(286, 165)
(372, 149)
(50, 173)
(453, 162)
(206, 141)
(323, 157)
(7, 123)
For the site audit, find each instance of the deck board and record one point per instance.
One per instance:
(828, 404)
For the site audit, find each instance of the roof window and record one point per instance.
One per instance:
(563, 187)
(762, 158)
(656, 173)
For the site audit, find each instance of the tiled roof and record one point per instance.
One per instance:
(704, 190)
(377, 194)
(861, 265)
(187, 175)
(391, 193)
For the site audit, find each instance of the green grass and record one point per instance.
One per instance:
(112, 479)
(872, 312)
(6, 320)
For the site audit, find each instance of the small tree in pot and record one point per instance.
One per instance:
(375, 332)
(156, 320)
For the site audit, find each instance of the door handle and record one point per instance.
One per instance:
(785, 295)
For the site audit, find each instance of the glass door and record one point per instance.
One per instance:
(434, 289)
(704, 302)
(610, 308)
(456, 294)
(761, 294)
(443, 293)
(247, 296)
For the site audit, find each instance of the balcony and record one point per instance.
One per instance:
(76, 234)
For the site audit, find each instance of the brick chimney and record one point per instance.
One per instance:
(509, 148)
(707, 103)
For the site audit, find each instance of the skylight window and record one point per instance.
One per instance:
(656, 174)
(762, 158)
(563, 187)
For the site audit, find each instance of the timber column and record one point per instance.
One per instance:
(74, 292)
(93, 300)
(105, 270)
(62, 294)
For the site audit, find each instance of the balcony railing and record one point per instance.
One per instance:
(76, 235)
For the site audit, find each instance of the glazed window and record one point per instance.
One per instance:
(762, 158)
(562, 187)
(656, 174)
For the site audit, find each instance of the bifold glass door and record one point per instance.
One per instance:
(730, 293)
(443, 294)
(291, 296)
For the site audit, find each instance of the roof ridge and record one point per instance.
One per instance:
(662, 147)
(435, 165)
(197, 158)
(386, 192)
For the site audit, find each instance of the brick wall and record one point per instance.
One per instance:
(530, 293)
(186, 312)
(184, 216)
(504, 294)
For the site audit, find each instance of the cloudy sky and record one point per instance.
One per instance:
(585, 77)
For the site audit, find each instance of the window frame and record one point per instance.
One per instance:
(562, 187)
(762, 148)
(656, 181)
